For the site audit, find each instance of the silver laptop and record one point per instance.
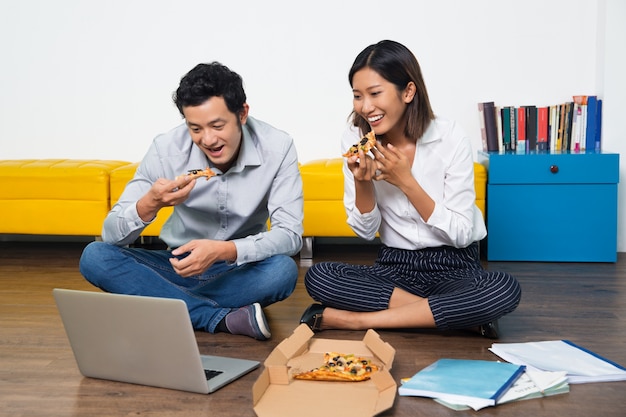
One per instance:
(141, 340)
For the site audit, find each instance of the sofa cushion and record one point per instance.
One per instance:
(322, 179)
(480, 185)
(56, 179)
(54, 196)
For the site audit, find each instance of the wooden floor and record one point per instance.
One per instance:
(585, 303)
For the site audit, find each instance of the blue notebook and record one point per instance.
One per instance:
(476, 383)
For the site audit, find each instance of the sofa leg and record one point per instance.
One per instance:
(307, 248)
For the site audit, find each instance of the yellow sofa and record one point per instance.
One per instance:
(72, 197)
(54, 196)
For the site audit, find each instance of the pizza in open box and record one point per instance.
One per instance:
(340, 367)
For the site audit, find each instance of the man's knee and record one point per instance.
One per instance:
(282, 271)
(92, 263)
(289, 270)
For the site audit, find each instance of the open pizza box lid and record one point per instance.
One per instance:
(276, 394)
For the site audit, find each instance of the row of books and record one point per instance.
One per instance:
(574, 126)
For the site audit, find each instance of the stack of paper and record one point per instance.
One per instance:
(474, 383)
(536, 384)
(581, 365)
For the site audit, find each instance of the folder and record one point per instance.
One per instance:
(581, 365)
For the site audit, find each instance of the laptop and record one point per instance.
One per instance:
(141, 340)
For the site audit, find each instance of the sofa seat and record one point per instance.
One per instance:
(324, 213)
(54, 196)
(322, 185)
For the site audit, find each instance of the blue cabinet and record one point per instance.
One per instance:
(551, 207)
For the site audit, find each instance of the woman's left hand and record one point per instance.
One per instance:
(393, 165)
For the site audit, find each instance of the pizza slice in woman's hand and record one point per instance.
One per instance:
(366, 143)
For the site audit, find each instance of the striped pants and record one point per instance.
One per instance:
(460, 292)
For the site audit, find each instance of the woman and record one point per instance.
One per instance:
(415, 188)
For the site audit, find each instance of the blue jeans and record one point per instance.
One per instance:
(209, 296)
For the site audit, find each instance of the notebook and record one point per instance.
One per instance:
(141, 340)
(581, 365)
(475, 383)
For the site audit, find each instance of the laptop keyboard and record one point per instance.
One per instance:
(210, 373)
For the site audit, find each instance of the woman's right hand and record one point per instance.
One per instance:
(362, 166)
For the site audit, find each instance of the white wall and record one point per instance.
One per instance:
(82, 79)
(612, 70)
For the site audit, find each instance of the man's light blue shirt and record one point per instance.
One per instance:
(263, 183)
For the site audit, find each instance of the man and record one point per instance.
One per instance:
(221, 259)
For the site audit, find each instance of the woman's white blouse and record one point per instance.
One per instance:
(444, 167)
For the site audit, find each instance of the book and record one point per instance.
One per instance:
(553, 117)
(481, 120)
(530, 385)
(498, 117)
(506, 127)
(559, 133)
(580, 105)
(552, 114)
(583, 127)
(513, 122)
(543, 124)
(491, 126)
(520, 123)
(567, 126)
(592, 122)
(577, 127)
(580, 364)
(599, 126)
(531, 127)
(476, 383)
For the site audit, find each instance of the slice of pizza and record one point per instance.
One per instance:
(366, 144)
(340, 367)
(197, 173)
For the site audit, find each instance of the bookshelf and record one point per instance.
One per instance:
(559, 207)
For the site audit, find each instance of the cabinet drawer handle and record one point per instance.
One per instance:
(554, 169)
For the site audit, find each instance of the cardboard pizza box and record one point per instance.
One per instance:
(276, 394)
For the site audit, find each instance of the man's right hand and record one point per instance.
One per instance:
(164, 193)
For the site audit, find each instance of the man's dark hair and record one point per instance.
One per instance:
(210, 80)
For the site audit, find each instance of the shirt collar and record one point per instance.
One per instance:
(432, 133)
(248, 153)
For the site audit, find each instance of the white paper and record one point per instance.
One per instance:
(557, 355)
(533, 384)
